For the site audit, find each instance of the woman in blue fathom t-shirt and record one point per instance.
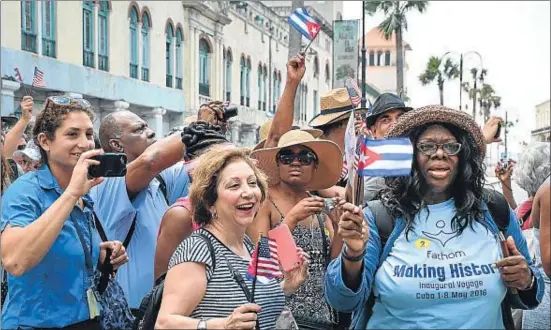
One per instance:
(50, 246)
(443, 264)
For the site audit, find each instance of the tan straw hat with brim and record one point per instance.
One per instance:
(438, 114)
(265, 129)
(335, 105)
(329, 155)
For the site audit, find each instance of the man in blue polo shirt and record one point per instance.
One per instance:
(155, 178)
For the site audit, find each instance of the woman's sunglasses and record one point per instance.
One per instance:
(430, 148)
(65, 100)
(304, 157)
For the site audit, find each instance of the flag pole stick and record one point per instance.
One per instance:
(256, 274)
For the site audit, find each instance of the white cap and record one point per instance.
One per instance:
(31, 150)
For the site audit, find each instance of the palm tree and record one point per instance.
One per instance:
(433, 72)
(395, 23)
(475, 90)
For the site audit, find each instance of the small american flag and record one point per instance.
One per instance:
(354, 92)
(265, 260)
(18, 75)
(38, 78)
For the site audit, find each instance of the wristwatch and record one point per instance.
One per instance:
(202, 325)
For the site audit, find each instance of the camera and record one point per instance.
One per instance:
(329, 204)
(229, 113)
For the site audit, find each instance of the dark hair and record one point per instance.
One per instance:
(199, 136)
(50, 119)
(203, 191)
(403, 196)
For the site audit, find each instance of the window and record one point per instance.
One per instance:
(28, 25)
(179, 54)
(243, 72)
(228, 66)
(371, 58)
(327, 73)
(379, 58)
(387, 58)
(260, 79)
(146, 29)
(134, 43)
(316, 107)
(103, 52)
(88, 33)
(275, 92)
(168, 48)
(265, 85)
(316, 67)
(48, 28)
(248, 83)
(204, 67)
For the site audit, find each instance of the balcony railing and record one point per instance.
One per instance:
(28, 41)
(133, 71)
(103, 62)
(179, 83)
(145, 74)
(48, 47)
(204, 89)
(88, 59)
(168, 80)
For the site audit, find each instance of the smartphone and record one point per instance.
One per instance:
(111, 165)
(286, 247)
(498, 133)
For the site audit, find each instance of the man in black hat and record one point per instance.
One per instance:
(384, 113)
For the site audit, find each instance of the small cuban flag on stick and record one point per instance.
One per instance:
(385, 157)
(305, 24)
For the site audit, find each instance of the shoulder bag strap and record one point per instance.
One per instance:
(87, 252)
(162, 186)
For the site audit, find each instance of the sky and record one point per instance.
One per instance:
(513, 38)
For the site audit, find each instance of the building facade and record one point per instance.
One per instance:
(543, 118)
(160, 59)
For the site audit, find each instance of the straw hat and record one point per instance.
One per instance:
(335, 105)
(265, 129)
(329, 155)
(438, 114)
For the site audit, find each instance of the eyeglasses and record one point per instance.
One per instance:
(304, 157)
(430, 148)
(66, 100)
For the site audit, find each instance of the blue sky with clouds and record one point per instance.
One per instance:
(513, 38)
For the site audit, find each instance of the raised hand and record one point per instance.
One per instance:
(27, 108)
(296, 68)
(490, 129)
(80, 183)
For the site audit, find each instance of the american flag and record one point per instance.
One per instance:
(354, 92)
(18, 75)
(38, 78)
(265, 261)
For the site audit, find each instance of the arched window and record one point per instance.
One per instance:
(327, 73)
(134, 42)
(179, 55)
(265, 84)
(371, 58)
(88, 33)
(248, 83)
(387, 58)
(48, 28)
(339, 16)
(243, 73)
(260, 79)
(28, 25)
(103, 51)
(204, 67)
(316, 67)
(146, 35)
(169, 57)
(380, 58)
(227, 67)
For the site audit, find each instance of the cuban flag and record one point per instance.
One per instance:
(385, 157)
(304, 23)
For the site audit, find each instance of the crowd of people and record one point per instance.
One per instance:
(435, 249)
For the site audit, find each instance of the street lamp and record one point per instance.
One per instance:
(364, 99)
(461, 55)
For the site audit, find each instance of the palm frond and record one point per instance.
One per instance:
(420, 6)
(373, 6)
(389, 26)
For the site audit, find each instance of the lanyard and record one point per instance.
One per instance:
(87, 254)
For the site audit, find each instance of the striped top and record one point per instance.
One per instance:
(223, 294)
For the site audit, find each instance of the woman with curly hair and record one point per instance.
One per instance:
(443, 264)
(177, 222)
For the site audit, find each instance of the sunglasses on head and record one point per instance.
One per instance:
(66, 100)
(430, 148)
(305, 157)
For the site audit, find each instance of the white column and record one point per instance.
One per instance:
(38, 27)
(8, 101)
(96, 35)
(159, 112)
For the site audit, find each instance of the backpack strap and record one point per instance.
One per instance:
(499, 209)
(162, 186)
(383, 219)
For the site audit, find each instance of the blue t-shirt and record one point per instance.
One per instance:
(117, 211)
(52, 294)
(439, 276)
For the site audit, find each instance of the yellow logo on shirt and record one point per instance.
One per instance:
(422, 243)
